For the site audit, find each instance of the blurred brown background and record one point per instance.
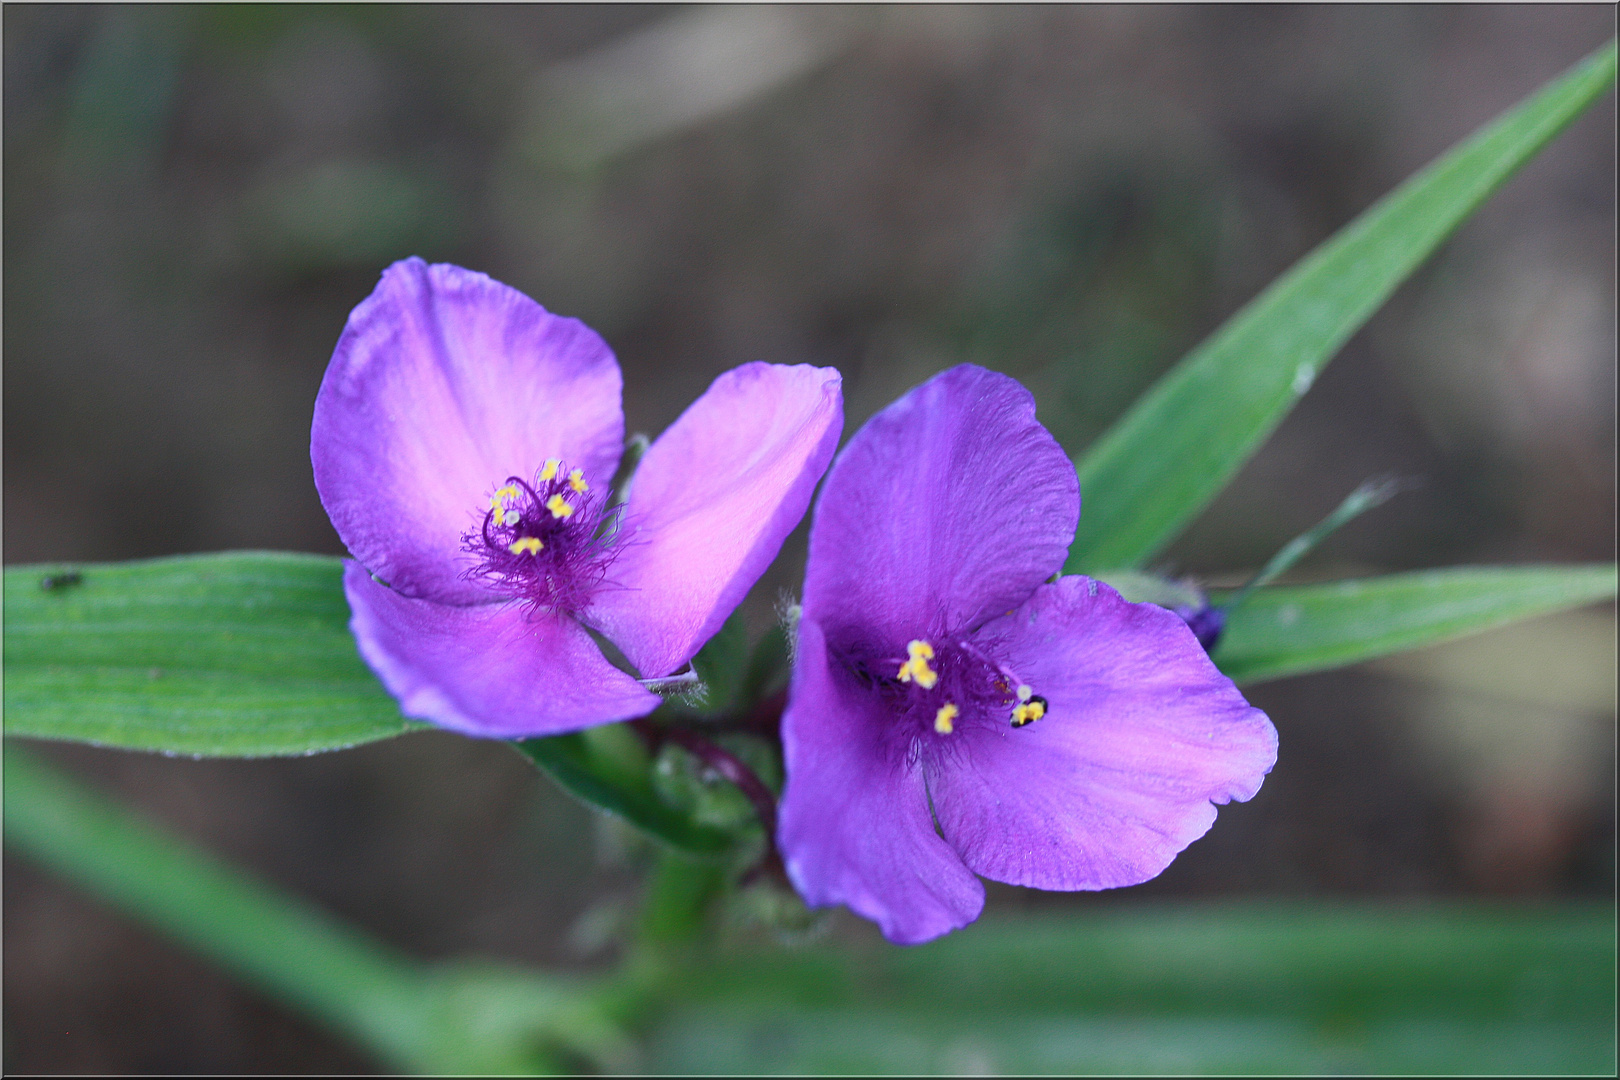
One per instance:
(196, 196)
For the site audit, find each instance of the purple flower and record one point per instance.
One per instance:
(953, 713)
(464, 442)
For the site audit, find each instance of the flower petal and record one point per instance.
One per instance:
(443, 384)
(494, 670)
(1142, 735)
(947, 508)
(855, 826)
(710, 506)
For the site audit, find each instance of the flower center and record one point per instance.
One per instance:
(543, 542)
(942, 684)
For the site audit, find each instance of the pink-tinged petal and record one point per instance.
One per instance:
(946, 509)
(710, 506)
(1142, 736)
(443, 384)
(494, 670)
(855, 826)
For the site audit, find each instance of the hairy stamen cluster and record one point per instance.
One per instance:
(943, 684)
(543, 542)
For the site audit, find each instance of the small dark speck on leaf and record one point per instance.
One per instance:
(60, 581)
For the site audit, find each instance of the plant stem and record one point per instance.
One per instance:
(678, 899)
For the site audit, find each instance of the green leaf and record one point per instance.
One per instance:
(1290, 630)
(608, 768)
(241, 654)
(1175, 449)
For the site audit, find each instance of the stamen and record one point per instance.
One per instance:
(503, 497)
(916, 668)
(542, 543)
(942, 719)
(1028, 712)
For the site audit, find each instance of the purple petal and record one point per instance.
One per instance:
(855, 827)
(1142, 735)
(710, 506)
(443, 384)
(946, 509)
(495, 670)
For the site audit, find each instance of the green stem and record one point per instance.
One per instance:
(679, 897)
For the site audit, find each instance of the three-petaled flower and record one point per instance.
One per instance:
(953, 712)
(464, 442)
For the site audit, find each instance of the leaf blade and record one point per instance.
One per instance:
(1179, 445)
(1292, 630)
(238, 654)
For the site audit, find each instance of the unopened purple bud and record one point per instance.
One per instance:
(1206, 623)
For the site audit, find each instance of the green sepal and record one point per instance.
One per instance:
(722, 665)
(609, 768)
(768, 666)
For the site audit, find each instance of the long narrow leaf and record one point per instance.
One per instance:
(241, 654)
(1291, 630)
(1182, 442)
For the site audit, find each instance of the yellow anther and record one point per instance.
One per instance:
(529, 544)
(576, 480)
(916, 668)
(1029, 712)
(502, 496)
(942, 719)
(1024, 691)
(559, 506)
(550, 470)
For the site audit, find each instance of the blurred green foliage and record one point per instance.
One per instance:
(1236, 987)
(1219, 987)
